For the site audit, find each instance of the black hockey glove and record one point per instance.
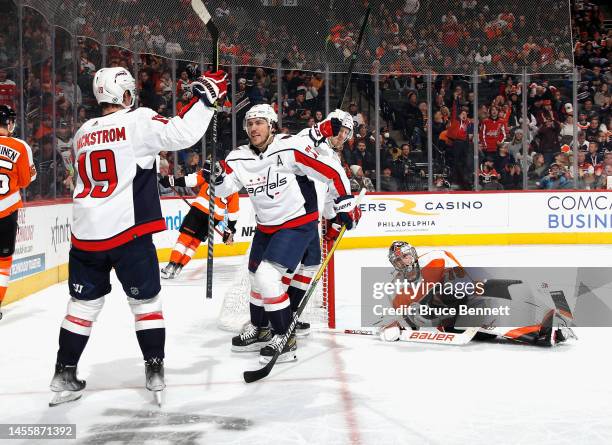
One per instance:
(171, 181)
(166, 181)
(228, 233)
(326, 129)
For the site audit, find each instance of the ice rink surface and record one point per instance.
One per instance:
(343, 389)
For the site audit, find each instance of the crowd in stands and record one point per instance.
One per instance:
(405, 36)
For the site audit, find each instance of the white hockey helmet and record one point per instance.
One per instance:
(110, 83)
(263, 111)
(345, 118)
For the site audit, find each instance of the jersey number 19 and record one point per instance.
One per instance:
(103, 171)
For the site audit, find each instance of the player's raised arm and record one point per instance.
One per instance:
(189, 126)
(310, 162)
(320, 163)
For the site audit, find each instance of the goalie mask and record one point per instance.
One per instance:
(403, 257)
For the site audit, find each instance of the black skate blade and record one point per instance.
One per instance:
(62, 397)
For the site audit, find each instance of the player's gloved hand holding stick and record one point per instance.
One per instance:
(210, 87)
(348, 213)
(228, 233)
(171, 182)
(253, 376)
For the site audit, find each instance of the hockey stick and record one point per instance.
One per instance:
(204, 15)
(354, 57)
(423, 336)
(438, 337)
(253, 376)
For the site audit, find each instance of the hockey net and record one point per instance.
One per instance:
(320, 311)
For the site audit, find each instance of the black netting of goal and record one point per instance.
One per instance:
(403, 36)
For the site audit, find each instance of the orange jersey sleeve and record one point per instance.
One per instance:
(17, 171)
(231, 203)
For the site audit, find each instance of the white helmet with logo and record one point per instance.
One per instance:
(110, 83)
(345, 118)
(263, 111)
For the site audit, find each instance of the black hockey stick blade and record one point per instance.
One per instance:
(258, 374)
(354, 56)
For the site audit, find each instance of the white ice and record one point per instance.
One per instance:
(343, 389)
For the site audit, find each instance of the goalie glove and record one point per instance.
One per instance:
(210, 87)
(325, 129)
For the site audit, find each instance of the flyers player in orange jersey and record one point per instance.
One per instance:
(439, 287)
(194, 228)
(439, 266)
(16, 172)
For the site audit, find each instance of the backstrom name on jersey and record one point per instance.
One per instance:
(101, 137)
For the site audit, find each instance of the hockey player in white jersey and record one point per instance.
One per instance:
(116, 210)
(277, 172)
(297, 282)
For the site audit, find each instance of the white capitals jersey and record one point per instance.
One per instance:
(116, 197)
(279, 183)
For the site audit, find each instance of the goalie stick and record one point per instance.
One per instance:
(204, 15)
(423, 336)
(253, 376)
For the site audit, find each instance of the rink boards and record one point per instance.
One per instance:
(424, 219)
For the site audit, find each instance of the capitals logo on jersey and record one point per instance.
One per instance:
(268, 185)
